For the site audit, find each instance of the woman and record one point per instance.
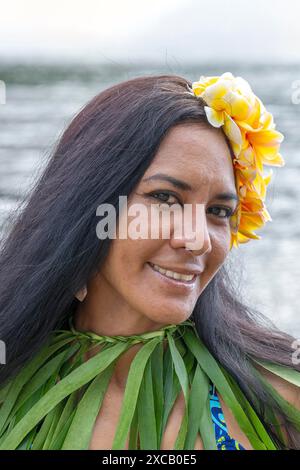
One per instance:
(157, 140)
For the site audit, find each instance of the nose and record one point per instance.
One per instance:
(192, 232)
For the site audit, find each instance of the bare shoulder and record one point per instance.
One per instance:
(287, 390)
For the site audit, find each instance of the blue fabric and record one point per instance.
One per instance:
(223, 440)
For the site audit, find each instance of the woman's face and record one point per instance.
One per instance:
(197, 158)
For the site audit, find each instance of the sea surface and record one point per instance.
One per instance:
(41, 99)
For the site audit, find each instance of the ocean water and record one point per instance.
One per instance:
(41, 99)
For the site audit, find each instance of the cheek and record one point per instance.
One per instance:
(221, 239)
(126, 260)
(220, 242)
(219, 253)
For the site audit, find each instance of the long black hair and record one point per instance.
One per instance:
(51, 249)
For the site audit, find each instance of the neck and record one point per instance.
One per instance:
(86, 323)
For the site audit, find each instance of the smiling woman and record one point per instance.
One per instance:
(131, 342)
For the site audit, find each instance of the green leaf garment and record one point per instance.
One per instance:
(53, 402)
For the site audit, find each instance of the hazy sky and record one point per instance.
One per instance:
(183, 30)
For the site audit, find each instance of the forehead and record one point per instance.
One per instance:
(198, 152)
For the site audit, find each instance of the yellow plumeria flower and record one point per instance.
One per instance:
(232, 105)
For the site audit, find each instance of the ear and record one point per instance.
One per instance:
(81, 294)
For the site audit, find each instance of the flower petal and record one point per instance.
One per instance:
(233, 133)
(215, 118)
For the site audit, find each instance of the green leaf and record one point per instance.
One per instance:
(146, 415)
(253, 417)
(3, 391)
(134, 435)
(9, 427)
(58, 441)
(206, 426)
(77, 378)
(172, 388)
(24, 377)
(22, 410)
(76, 361)
(57, 411)
(214, 372)
(26, 444)
(190, 364)
(43, 431)
(80, 432)
(184, 382)
(69, 407)
(168, 371)
(42, 375)
(133, 384)
(286, 373)
(158, 388)
(288, 409)
(197, 402)
(270, 417)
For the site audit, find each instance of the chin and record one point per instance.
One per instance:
(169, 315)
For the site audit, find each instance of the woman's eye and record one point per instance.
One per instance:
(166, 198)
(170, 199)
(222, 212)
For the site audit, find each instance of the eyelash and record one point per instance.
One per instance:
(229, 211)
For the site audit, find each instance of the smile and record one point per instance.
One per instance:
(175, 276)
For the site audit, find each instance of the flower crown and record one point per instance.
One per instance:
(251, 131)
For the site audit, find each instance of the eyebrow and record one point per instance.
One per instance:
(186, 187)
(163, 177)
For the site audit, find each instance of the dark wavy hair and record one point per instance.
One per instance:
(51, 249)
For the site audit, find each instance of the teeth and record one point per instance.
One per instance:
(172, 274)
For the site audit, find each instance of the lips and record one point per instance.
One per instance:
(179, 277)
